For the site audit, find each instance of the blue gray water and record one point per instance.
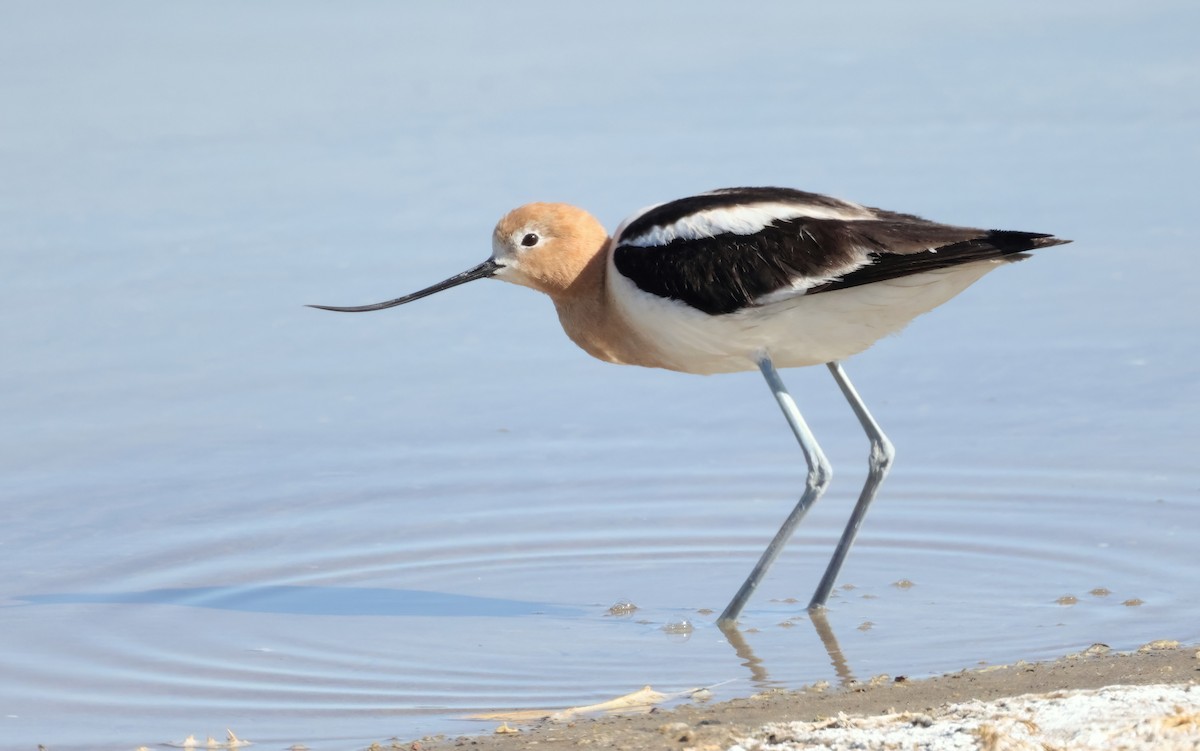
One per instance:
(220, 509)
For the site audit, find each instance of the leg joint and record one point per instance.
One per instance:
(883, 453)
(820, 475)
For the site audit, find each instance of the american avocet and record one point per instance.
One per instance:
(745, 278)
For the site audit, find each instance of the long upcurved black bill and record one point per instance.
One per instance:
(482, 271)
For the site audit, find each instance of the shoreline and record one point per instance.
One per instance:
(724, 724)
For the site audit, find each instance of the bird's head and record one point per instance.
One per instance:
(545, 246)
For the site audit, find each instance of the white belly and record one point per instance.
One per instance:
(805, 330)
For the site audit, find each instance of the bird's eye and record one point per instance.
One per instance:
(530, 240)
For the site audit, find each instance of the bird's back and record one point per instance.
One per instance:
(712, 281)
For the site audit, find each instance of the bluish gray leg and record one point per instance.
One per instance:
(819, 475)
(882, 454)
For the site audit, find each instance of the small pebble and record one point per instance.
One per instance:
(680, 731)
(678, 626)
(622, 607)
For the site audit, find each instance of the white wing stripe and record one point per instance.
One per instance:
(745, 219)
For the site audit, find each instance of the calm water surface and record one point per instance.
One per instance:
(224, 510)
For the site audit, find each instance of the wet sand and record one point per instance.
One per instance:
(724, 724)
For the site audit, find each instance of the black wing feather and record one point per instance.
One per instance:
(990, 245)
(728, 272)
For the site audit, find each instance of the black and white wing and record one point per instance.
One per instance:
(736, 248)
